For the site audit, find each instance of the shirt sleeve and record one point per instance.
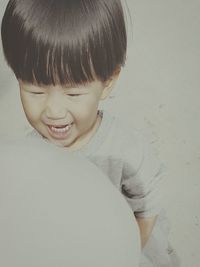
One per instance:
(141, 178)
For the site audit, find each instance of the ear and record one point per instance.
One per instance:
(109, 84)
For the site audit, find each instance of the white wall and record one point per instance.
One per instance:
(160, 88)
(157, 92)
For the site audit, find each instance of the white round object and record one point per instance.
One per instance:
(57, 209)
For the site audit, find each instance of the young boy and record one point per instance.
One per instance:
(66, 56)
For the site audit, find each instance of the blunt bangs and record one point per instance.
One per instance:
(64, 42)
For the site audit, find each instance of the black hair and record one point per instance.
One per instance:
(64, 41)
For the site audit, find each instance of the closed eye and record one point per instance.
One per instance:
(74, 94)
(37, 93)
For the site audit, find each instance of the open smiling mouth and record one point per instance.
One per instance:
(59, 131)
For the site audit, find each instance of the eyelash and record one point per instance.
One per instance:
(37, 93)
(73, 95)
(42, 93)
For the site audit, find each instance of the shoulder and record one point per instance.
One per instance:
(133, 146)
(34, 135)
(125, 135)
(123, 140)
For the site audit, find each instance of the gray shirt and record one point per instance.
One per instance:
(129, 162)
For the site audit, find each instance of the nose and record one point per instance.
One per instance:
(55, 109)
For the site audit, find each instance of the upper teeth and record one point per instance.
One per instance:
(61, 129)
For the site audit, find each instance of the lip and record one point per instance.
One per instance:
(59, 132)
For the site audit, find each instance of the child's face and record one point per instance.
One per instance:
(67, 116)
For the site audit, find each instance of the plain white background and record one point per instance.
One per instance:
(158, 92)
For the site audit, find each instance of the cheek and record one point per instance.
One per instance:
(86, 118)
(87, 110)
(90, 104)
(31, 108)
